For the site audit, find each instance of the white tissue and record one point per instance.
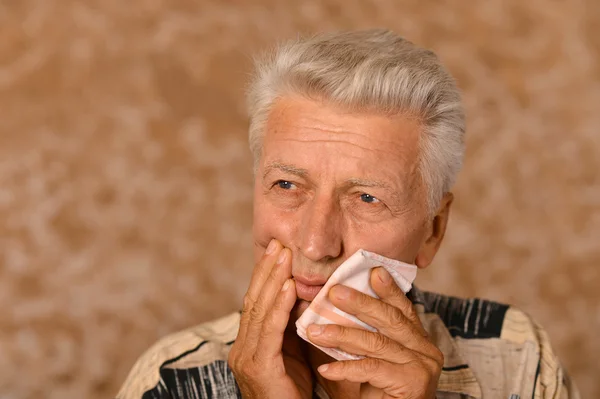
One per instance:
(354, 273)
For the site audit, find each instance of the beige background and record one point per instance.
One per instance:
(125, 182)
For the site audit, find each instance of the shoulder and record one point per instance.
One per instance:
(492, 336)
(478, 318)
(203, 346)
(464, 317)
(551, 379)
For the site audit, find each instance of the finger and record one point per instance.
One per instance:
(271, 338)
(263, 305)
(387, 319)
(263, 269)
(259, 276)
(388, 291)
(359, 342)
(417, 378)
(379, 373)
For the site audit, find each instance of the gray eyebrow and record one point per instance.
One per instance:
(367, 183)
(356, 182)
(285, 168)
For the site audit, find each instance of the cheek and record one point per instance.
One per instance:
(393, 240)
(271, 222)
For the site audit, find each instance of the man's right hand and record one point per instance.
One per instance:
(257, 359)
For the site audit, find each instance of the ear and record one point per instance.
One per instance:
(435, 233)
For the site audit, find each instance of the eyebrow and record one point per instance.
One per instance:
(356, 182)
(352, 182)
(291, 169)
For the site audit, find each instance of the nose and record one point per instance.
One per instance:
(321, 236)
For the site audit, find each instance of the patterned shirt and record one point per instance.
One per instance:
(490, 351)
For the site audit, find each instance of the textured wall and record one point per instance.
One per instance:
(125, 183)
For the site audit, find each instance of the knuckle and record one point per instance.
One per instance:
(378, 343)
(248, 369)
(234, 360)
(365, 302)
(425, 370)
(258, 312)
(258, 363)
(411, 314)
(394, 315)
(428, 364)
(432, 366)
(423, 378)
(397, 320)
(421, 374)
(247, 303)
(340, 333)
(370, 366)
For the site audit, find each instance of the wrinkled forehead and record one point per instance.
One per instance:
(315, 134)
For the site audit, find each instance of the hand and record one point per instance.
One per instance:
(400, 361)
(260, 366)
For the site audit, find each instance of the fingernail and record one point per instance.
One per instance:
(286, 285)
(341, 292)
(271, 247)
(323, 368)
(384, 276)
(282, 257)
(315, 330)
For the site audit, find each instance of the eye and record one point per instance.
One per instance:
(285, 185)
(369, 199)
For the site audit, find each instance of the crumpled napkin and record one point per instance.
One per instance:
(354, 273)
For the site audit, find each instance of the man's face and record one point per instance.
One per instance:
(330, 182)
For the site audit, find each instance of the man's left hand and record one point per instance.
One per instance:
(400, 360)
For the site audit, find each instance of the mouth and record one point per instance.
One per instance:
(307, 290)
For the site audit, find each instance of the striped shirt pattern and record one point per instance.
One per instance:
(491, 350)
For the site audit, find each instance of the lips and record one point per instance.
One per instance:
(307, 289)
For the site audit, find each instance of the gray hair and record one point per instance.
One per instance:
(370, 70)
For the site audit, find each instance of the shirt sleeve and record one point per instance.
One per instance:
(190, 364)
(552, 380)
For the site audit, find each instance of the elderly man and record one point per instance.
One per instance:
(357, 140)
